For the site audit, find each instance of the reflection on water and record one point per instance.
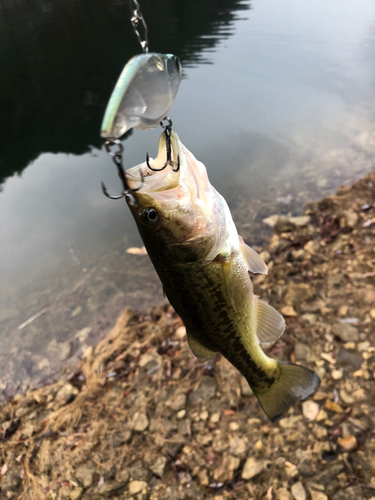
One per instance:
(60, 60)
(282, 114)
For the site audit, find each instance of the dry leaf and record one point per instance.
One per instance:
(137, 251)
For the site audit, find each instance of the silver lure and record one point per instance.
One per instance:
(143, 95)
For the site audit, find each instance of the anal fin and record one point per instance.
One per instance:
(270, 325)
(199, 350)
(253, 260)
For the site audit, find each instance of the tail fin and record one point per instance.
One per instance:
(295, 383)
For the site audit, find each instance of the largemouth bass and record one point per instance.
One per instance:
(204, 266)
(143, 95)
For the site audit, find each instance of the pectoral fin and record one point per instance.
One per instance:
(199, 350)
(253, 260)
(270, 325)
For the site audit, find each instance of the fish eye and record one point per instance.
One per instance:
(150, 215)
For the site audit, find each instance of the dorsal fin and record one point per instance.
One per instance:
(253, 260)
(270, 325)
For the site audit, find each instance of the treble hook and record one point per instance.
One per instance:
(117, 160)
(167, 131)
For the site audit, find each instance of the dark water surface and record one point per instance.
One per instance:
(277, 101)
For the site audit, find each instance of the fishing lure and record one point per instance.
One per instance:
(145, 90)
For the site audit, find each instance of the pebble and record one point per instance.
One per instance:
(85, 475)
(136, 487)
(310, 410)
(181, 414)
(336, 374)
(65, 350)
(302, 352)
(215, 418)
(347, 399)
(283, 494)
(178, 402)
(158, 466)
(225, 470)
(298, 491)
(238, 446)
(266, 257)
(346, 332)
(140, 422)
(83, 334)
(348, 443)
(252, 468)
(372, 313)
(180, 333)
(288, 311)
(233, 426)
(318, 495)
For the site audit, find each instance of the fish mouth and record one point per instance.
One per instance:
(186, 173)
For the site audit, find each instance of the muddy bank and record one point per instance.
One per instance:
(139, 417)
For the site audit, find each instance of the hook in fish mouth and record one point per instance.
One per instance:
(167, 131)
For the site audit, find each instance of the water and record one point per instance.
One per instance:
(277, 100)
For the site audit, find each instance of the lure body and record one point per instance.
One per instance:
(143, 95)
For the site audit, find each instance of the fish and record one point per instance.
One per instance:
(204, 265)
(143, 95)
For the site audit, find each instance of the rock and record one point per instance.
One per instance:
(301, 220)
(298, 293)
(120, 438)
(65, 350)
(302, 352)
(346, 332)
(336, 374)
(206, 391)
(140, 422)
(83, 334)
(283, 494)
(219, 443)
(266, 257)
(344, 357)
(178, 402)
(271, 220)
(284, 224)
(225, 470)
(310, 410)
(85, 475)
(65, 395)
(349, 219)
(346, 397)
(43, 363)
(313, 247)
(298, 491)
(111, 488)
(289, 422)
(318, 495)
(215, 417)
(329, 473)
(76, 493)
(253, 467)
(350, 493)
(158, 467)
(238, 446)
(180, 332)
(245, 388)
(136, 487)
(150, 360)
(288, 311)
(348, 443)
(305, 469)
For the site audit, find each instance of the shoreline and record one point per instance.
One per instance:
(140, 417)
